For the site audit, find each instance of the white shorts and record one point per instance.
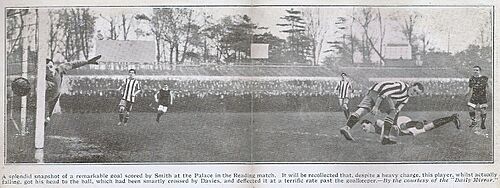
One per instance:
(343, 101)
(475, 106)
(162, 108)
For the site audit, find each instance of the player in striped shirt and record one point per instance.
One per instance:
(130, 88)
(344, 92)
(388, 97)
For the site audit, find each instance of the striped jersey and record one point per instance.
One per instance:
(344, 89)
(396, 90)
(129, 87)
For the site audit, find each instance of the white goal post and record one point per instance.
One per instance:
(43, 36)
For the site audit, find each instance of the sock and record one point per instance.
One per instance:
(442, 121)
(125, 119)
(388, 122)
(472, 115)
(483, 119)
(353, 119)
(120, 115)
(346, 113)
(158, 115)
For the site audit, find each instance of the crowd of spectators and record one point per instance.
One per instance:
(89, 94)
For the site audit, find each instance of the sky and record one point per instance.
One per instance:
(461, 24)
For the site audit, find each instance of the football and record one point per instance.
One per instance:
(21, 86)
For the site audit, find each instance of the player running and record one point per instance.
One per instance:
(405, 126)
(478, 85)
(54, 77)
(130, 88)
(388, 97)
(164, 98)
(344, 91)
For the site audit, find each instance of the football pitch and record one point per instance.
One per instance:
(269, 137)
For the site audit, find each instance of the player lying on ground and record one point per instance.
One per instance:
(405, 126)
(478, 85)
(164, 98)
(388, 97)
(54, 77)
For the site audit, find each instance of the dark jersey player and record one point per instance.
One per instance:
(164, 98)
(406, 126)
(478, 85)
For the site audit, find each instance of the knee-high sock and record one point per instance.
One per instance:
(472, 115)
(353, 119)
(125, 118)
(483, 118)
(388, 122)
(346, 113)
(441, 121)
(120, 116)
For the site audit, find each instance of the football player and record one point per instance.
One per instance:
(388, 97)
(164, 98)
(478, 85)
(344, 91)
(54, 77)
(130, 88)
(405, 126)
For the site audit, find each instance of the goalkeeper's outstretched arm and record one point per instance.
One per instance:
(77, 64)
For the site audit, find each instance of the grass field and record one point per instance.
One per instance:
(232, 137)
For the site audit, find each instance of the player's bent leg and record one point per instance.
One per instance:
(442, 121)
(353, 119)
(388, 126)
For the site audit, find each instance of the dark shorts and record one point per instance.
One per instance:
(126, 104)
(369, 101)
(478, 101)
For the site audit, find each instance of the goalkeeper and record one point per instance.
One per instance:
(54, 77)
(406, 126)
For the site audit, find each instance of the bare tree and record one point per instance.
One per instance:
(408, 28)
(366, 18)
(55, 26)
(15, 22)
(126, 25)
(156, 27)
(316, 32)
(112, 20)
(424, 38)
(485, 31)
(382, 35)
(188, 27)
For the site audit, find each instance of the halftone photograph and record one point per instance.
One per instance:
(241, 84)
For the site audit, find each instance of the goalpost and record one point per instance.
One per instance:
(43, 36)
